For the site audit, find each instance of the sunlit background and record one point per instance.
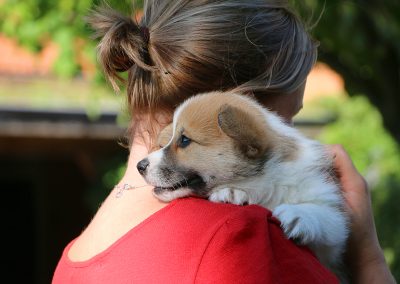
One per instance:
(61, 125)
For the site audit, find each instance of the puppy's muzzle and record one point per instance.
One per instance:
(142, 166)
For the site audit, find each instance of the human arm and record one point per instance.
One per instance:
(364, 255)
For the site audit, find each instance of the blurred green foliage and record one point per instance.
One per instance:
(376, 155)
(34, 22)
(360, 40)
(359, 127)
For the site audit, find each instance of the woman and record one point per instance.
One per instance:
(181, 48)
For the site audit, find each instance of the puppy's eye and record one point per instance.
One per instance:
(184, 141)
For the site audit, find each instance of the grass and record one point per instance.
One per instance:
(56, 94)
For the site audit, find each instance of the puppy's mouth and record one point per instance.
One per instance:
(194, 182)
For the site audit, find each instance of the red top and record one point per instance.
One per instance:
(195, 241)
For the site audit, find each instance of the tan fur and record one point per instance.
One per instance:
(251, 135)
(206, 121)
(165, 136)
(288, 148)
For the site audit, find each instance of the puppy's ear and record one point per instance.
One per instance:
(165, 136)
(249, 132)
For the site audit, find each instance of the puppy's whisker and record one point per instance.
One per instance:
(171, 182)
(179, 181)
(184, 179)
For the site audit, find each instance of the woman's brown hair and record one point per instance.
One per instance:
(184, 47)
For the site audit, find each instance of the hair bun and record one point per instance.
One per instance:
(121, 45)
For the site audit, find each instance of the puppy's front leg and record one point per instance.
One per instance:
(313, 223)
(229, 195)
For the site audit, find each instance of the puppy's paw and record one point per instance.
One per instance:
(230, 195)
(296, 225)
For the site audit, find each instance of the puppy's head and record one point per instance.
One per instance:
(215, 138)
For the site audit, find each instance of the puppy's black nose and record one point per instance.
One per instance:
(142, 165)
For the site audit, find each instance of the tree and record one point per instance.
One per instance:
(360, 40)
(33, 22)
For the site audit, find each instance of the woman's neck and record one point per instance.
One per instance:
(140, 149)
(132, 177)
(120, 212)
(132, 187)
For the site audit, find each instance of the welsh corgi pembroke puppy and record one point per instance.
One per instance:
(228, 148)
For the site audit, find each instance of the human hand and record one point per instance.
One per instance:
(364, 255)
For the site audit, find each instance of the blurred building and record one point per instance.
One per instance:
(48, 160)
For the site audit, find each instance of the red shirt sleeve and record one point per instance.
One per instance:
(249, 247)
(196, 241)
